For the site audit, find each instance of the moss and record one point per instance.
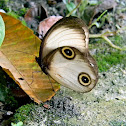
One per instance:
(106, 61)
(106, 56)
(22, 113)
(117, 123)
(18, 124)
(117, 39)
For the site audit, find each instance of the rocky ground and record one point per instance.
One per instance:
(105, 105)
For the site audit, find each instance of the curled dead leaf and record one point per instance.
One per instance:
(34, 15)
(38, 12)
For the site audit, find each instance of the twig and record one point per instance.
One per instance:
(110, 43)
(104, 36)
(97, 19)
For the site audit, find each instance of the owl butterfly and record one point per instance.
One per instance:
(64, 55)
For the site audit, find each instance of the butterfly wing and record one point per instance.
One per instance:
(69, 31)
(64, 55)
(69, 67)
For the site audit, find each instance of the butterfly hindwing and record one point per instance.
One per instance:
(71, 68)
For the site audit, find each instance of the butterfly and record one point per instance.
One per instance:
(65, 57)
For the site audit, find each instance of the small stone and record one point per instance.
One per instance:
(57, 121)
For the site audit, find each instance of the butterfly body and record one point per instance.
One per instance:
(65, 57)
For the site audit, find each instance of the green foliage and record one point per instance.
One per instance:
(5, 93)
(18, 124)
(94, 2)
(24, 22)
(117, 123)
(99, 25)
(107, 56)
(106, 61)
(3, 3)
(22, 113)
(82, 7)
(13, 14)
(117, 40)
(2, 30)
(70, 6)
(78, 10)
(22, 12)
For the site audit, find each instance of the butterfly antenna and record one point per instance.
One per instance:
(51, 84)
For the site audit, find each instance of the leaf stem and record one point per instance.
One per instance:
(104, 36)
(110, 43)
(97, 19)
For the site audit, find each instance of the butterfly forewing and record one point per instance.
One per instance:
(70, 31)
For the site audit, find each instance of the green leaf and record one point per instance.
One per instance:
(93, 2)
(2, 30)
(70, 6)
(83, 6)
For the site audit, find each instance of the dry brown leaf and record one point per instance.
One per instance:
(34, 15)
(105, 5)
(36, 12)
(92, 11)
(18, 61)
(46, 24)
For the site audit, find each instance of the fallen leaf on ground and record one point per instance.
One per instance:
(46, 24)
(17, 59)
(34, 15)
